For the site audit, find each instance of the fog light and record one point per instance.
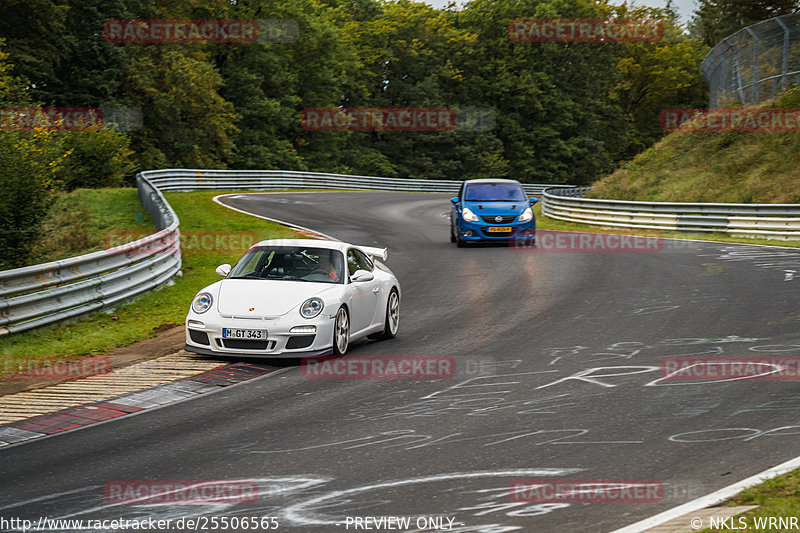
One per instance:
(468, 233)
(307, 330)
(527, 232)
(197, 324)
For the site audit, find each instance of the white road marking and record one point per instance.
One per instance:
(710, 500)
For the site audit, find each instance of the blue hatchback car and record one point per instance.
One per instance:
(492, 210)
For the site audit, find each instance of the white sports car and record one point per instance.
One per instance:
(295, 298)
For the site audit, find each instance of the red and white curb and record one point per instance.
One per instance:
(93, 413)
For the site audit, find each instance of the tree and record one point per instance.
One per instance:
(656, 76)
(36, 41)
(555, 121)
(716, 19)
(186, 122)
(269, 83)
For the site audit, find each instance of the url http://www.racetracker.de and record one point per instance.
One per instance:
(202, 523)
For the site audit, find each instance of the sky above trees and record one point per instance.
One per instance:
(685, 8)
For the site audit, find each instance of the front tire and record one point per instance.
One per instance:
(341, 332)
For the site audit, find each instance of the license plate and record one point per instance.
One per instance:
(235, 333)
(499, 229)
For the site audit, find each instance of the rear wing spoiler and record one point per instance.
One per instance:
(376, 253)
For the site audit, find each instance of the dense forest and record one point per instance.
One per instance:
(562, 112)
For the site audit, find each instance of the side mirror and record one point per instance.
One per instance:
(534, 201)
(223, 270)
(362, 275)
(454, 200)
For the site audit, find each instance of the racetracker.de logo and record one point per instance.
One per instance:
(554, 241)
(379, 367)
(144, 31)
(180, 31)
(586, 491)
(191, 241)
(730, 368)
(41, 368)
(399, 119)
(585, 30)
(70, 118)
(180, 492)
(766, 120)
(378, 119)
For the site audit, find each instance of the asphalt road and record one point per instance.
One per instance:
(558, 378)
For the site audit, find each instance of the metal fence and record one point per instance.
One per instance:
(180, 179)
(43, 294)
(756, 63)
(771, 221)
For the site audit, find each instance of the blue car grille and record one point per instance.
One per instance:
(505, 219)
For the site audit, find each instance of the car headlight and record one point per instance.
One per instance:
(202, 303)
(526, 215)
(468, 215)
(311, 308)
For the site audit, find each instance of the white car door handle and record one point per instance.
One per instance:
(376, 290)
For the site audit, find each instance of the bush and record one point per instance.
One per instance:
(790, 99)
(29, 163)
(100, 158)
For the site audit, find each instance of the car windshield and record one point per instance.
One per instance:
(293, 263)
(495, 192)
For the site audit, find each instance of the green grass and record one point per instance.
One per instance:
(711, 167)
(779, 496)
(736, 167)
(100, 332)
(84, 220)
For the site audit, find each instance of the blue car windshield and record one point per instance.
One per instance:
(495, 192)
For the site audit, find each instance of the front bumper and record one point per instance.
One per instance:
(285, 355)
(479, 231)
(280, 342)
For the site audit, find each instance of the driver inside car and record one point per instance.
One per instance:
(326, 265)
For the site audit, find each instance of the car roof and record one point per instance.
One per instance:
(313, 243)
(492, 180)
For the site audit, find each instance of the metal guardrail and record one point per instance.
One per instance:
(756, 63)
(771, 221)
(264, 180)
(43, 294)
(51, 292)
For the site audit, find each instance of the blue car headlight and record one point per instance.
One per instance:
(468, 215)
(526, 215)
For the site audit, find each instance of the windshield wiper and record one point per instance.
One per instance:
(247, 276)
(295, 278)
(497, 200)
